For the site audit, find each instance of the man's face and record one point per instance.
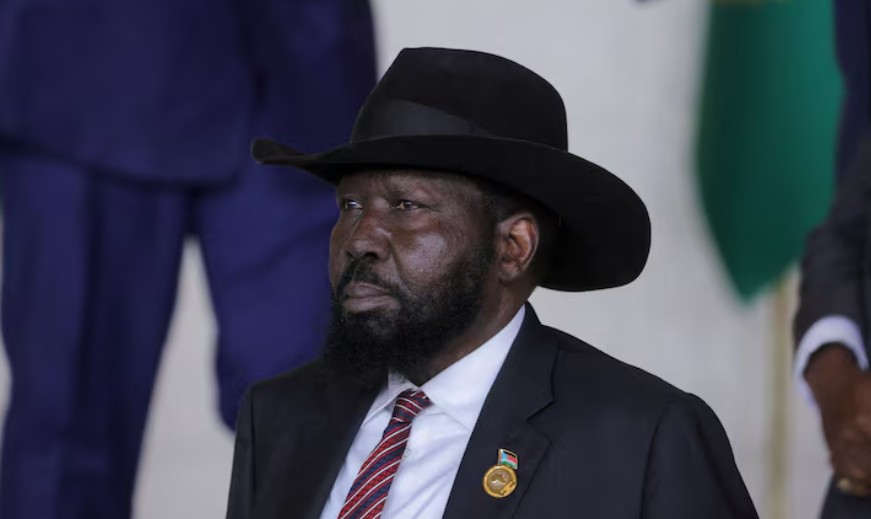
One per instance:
(409, 259)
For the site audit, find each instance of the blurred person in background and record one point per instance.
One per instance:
(123, 128)
(832, 323)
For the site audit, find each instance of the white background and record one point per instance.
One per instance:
(628, 72)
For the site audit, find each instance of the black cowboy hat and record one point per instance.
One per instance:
(478, 114)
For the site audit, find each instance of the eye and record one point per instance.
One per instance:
(348, 203)
(408, 205)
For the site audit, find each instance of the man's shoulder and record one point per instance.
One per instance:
(609, 413)
(289, 388)
(583, 371)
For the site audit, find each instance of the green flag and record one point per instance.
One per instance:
(767, 133)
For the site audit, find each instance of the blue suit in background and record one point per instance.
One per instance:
(853, 46)
(124, 127)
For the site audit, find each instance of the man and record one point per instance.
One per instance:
(439, 393)
(120, 131)
(831, 325)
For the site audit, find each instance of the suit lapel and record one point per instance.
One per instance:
(333, 420)
(521, 390)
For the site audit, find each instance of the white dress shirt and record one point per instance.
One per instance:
(439, 434)
(829, 329)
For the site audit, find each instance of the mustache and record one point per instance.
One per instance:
(363, 272)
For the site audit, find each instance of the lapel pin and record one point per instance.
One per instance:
(500, 480)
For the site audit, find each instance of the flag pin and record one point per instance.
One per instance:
(500, 480)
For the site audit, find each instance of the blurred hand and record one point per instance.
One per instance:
(843, 394)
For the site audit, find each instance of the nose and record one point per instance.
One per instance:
(368, 237)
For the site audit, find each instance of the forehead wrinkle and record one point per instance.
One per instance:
(457, 183)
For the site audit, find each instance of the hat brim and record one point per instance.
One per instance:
(604, 238)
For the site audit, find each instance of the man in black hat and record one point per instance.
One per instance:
(439, 393)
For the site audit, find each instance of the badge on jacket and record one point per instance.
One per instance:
(500, 480)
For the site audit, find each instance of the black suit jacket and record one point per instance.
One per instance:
(835, 267)
(596, 438)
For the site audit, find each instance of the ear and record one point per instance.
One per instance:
(517, 238)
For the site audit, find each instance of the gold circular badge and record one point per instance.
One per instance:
(500, 481)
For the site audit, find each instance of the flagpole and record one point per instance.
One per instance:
(781, 371)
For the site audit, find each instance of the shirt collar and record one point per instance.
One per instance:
(459, 390)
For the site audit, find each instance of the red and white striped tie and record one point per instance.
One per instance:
(369, 492)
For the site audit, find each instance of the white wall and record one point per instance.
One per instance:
(628, 73)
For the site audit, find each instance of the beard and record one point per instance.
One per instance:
(365, 347)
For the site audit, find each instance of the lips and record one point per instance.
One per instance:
(360, 296)
(359, 289)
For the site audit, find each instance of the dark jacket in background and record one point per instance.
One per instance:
(205, 77)
(835, 266)
(853, 45)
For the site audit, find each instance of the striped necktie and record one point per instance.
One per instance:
(369, 492)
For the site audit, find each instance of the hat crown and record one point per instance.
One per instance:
(432, 91)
